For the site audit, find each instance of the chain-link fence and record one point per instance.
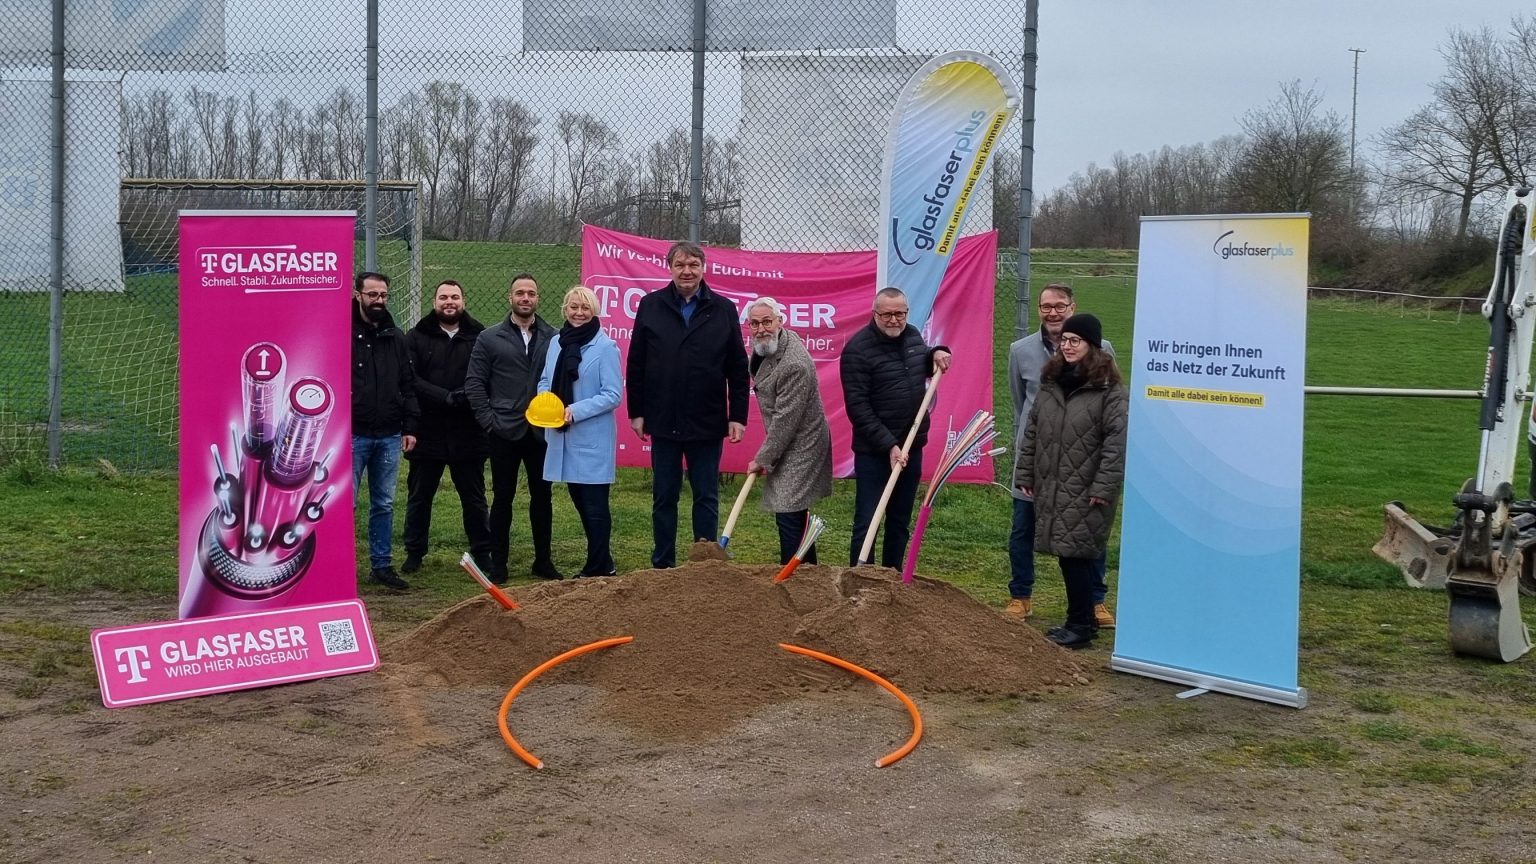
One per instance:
(502, 128)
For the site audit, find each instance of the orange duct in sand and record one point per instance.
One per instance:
(917, 718)
(501, 715)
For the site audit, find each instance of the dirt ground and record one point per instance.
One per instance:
(701, 741)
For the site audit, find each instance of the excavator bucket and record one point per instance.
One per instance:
(1485, 616)
(1424, 553)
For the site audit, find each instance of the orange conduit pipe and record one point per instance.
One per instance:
(917, 717)
(501, 715)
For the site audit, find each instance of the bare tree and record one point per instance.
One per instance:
(462, 150)
(587, 145)
(505, 161)
(1295, 156)
(1441, 150)
(205, 119)
(1481, 78)
(433, 139)
(397, 125)
(255, 136)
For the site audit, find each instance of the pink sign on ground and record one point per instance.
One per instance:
(266, 456)
(167, 660)
(826, 298)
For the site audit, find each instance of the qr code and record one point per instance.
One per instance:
(338, 637)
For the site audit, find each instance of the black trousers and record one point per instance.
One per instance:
(591, 502)
(507, 459)
(1080, 575)
(871, 471)
(791, 525)
(421, 487)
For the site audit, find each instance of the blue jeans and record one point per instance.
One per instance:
(1021, 555)
(871, 471)
(381, 458)
(667, 486)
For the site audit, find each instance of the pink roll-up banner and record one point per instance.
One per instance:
(825, 297)
(266, 456)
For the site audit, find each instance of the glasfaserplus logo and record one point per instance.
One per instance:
(1244, 249)
(961, 150)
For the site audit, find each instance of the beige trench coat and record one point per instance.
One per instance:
(797, 443)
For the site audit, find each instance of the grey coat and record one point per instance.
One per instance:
(1073, 450)
(797, 443)
(503, 376)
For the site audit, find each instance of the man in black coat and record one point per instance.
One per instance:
(686, 383)
(384, 414)
(884, 368)
(504, 370)
(448, 435)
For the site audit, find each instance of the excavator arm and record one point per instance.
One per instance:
(1484, 559)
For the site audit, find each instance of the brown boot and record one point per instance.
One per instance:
(1018, 607)
(1102, 617)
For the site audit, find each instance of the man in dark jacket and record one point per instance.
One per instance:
(447, 436)
(504, 370)
(883, 370)
(384, 414)
(686, 383)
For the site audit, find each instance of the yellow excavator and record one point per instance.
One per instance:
(1484, 560)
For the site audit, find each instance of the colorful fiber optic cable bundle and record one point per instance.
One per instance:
(968, 445)
(814, 525)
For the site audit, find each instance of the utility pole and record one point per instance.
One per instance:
(1354, 107)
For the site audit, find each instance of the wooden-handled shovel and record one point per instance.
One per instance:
(890, 484)
(730, 523)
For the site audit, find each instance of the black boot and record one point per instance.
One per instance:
(1073, 636)
(546, 570)
(387, 577)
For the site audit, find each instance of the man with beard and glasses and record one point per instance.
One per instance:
(447, 435)
(795, 457)
(1026, 359)
(504, 371)
(384, 415)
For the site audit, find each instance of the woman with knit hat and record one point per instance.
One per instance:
(1072, 463)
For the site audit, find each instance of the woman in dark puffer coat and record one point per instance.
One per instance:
(1072, 462)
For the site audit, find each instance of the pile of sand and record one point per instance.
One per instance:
(706, 650)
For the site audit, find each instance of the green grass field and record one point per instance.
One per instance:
(1394, 707)
(1360, 452)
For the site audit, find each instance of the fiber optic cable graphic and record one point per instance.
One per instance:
(259, 538)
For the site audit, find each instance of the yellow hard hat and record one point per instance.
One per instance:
(546, 410)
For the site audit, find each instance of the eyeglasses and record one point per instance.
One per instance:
(1074, 341)
(760, 325)
(891, 316)
(1055, 307)
(375, 295)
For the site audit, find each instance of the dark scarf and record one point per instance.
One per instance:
(563, 381)
(1071, 379)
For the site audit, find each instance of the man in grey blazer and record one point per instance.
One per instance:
(504, 370)
(1026, 358)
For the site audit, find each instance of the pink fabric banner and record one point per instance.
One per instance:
(145, 663)
(266, 455)
(826, 298)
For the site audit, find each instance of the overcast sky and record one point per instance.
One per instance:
(1134, 75)
(1114, 75)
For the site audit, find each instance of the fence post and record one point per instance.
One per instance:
(371, 146)
(696, 142)
(1026, 161)
(56, 246)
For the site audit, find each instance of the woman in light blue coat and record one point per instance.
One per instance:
(582, 369)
